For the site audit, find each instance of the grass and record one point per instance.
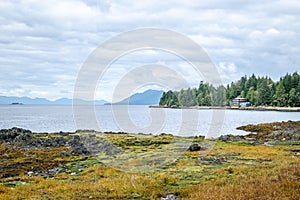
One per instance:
(275, 183)
(150, 167)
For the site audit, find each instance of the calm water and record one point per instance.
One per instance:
(136, 119)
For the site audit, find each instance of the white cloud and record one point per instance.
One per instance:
(229, 72)
(44, 43)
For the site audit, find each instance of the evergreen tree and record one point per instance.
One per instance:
(169, 98)
(293, 99)
(251, 96)
(258, 90)
(263, 94)
(280, 95)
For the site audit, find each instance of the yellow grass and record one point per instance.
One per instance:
(235, 172)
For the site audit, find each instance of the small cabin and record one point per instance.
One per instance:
(239, 101)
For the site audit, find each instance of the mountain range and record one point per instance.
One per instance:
(42, 101)
(149, 97)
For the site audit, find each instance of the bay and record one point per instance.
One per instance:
(136, 119)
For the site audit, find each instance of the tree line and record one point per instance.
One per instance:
(260, 91)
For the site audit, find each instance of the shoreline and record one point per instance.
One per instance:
(249, 130)
(250, 108)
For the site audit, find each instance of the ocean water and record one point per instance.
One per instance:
(135, 119)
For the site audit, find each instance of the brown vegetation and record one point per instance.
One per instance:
(223, 170)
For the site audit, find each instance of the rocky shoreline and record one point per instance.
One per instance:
(45, 154)
(88, 143)
(117, 165)
(79, 143)
(267, 132)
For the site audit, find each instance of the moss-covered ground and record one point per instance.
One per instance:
(150, 167)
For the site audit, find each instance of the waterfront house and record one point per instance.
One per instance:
(239, 101)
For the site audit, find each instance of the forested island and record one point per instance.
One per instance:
(259, 91)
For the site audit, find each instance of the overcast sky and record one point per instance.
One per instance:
(43, 44)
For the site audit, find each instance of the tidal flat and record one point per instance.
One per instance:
(265, 164)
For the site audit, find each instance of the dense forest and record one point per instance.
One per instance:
(260, 91)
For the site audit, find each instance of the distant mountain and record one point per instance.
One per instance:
(23, 100)
(43, 101)
(149, 97)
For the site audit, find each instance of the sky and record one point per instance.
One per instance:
(44, 44)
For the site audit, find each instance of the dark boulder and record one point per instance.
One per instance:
(194, 147)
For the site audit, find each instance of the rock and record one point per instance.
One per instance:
(231, 138)
(47, 173)
(95, 144)
(80, 144)
(224, 138)
(30, 173)
(275, 131)
(194, 147)
(15, 135)
(170, 197)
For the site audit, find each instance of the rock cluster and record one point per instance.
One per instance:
(268, 132)
(80, 144)
(44, 154)
(95, 144)
(231, 138)
(15, 135)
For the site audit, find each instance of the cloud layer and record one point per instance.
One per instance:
(44, 43)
